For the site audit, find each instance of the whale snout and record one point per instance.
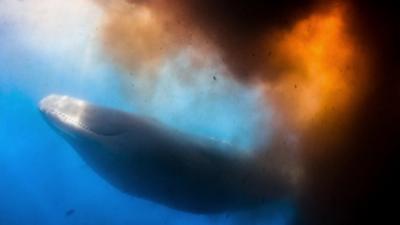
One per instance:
(65, 107)
(61, 103)
(65, 113)
(71, 115)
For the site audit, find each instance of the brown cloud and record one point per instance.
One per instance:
(328, 66)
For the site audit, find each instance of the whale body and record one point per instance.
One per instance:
(145, 159)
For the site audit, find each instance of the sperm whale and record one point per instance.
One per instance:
(146, 159)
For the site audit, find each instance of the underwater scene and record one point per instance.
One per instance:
(52, 47)
(189, 112)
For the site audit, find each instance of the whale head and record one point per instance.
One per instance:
(102, 136)
(76, 118)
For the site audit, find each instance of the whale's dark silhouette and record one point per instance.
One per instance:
(145, 159)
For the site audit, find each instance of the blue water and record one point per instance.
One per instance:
(42, 179)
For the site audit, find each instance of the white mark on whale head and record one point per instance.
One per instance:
(64, 111)
(77, 117)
